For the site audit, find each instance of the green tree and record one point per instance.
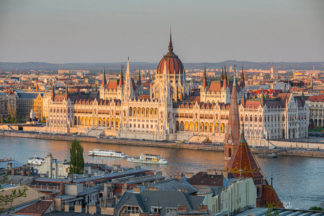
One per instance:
(76, 158)
(316, 208)
(8, 198)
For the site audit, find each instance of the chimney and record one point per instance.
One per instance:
(136, 190)
(105, 193)
(9, 166)
(182, 208)
(152, 188)
(211, 172)
(61, 189)
(188, 174)
(202, 208)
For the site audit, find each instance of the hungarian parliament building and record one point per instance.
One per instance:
(173, 111)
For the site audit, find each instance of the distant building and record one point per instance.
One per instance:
(8, 106)
(160, 203)
(77, 72)
(316, 110)
(25, 103)
(170, 110)
(51, 168)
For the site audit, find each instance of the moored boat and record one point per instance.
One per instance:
(106, 153)
(148, 159)
(35, 161)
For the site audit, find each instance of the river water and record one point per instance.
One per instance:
(298, 181)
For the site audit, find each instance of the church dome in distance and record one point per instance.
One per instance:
(173, 63)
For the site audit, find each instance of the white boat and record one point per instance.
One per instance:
(35, 161)
(148, 158)
(106, 153)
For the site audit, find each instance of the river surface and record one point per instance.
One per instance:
(298, 181)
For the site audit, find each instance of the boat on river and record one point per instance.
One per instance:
(106, 153)
(148, 159)
(35, 161)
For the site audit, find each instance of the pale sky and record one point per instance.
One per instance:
(61, 31)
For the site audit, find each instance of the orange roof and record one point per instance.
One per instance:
(317, 98)
(145, 97)
(243, 164)
(215, 86)
(270, 197)
(37, 208)
(252, 103)
(112, 84)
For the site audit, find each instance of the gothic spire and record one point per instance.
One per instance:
(139, 77)
(243, 97)
(242, 82)
(170, 43)
(104, 80)
(205, 78)
(262, 98)
(121, 76)
(222, 76)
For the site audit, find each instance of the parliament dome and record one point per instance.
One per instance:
(173, 63)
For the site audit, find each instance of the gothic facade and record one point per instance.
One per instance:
(171, 111)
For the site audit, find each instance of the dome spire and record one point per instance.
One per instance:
(170, 43)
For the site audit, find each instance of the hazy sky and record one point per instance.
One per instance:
(62, 31)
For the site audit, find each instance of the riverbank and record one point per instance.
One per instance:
(160, 144)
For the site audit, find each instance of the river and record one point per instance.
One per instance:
(298, 181)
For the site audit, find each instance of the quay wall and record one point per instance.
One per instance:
(302, 152)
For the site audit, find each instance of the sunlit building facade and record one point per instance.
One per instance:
(171, 110)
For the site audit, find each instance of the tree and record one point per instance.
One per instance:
(8, 198)
(76, 158)
(316, 208)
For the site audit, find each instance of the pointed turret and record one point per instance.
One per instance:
(139, 77)
(67, 92)
(243, 163)
(170, 48)
(225, 79)
(53, 92)
(242, 81)
(222, 75)
(232, 136)
(128, 88)
(243, 97)
(121, 76)
(205, 78)
(104, 80)
(262, 98)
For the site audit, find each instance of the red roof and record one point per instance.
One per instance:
(243, 164)
(145, 97)
(317, 98)
(215, 86)
(38, 208)
(112, 84)
(203, 178)
(270, 197)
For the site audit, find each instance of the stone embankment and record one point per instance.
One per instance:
(163, 144)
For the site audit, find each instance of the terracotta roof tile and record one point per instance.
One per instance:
(317, 98)
(37, 208)
(215, 86)
(112, 84)
(203, 178)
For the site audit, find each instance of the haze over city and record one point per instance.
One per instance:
(141, 107)
(203, 31)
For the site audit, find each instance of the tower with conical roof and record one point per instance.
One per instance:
(121, 76)
(104, 80)
(232, 136)
(205, 78)
(128, 88)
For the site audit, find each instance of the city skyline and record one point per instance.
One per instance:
(110, 31)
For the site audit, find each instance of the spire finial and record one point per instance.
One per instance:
(170, 43)
(234, 80)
